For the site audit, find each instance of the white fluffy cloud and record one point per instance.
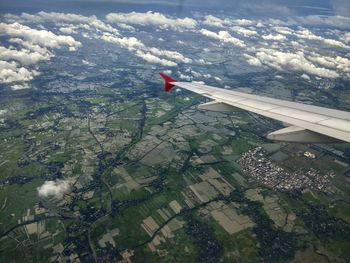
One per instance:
(24, 56)
(211, 20)
(305, 76)
(154, 59)
(54, 188)
(223, 36)
(335, 21)
(152, 55)
(307, 34)
(30, 46)
(170, 54)
(185, 77)
(68, 30)
(216, 22)
(72, 23)
(33, 47)
(12, 72)
(152, 19)
(243, 22)
(130, 43)
(338, 63)
(346, 37)
(276, 37)
(244, 31)
(292, 62)
(321, 20)
(20, 87)
(252, 60)
(43, 17)
(40, 37)
(302, 52)
(284, 30)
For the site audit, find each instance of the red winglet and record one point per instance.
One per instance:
(168, 86)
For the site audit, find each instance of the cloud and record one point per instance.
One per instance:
(335, 21)
(321, 21)
(346, 37)
(276, 37)
(243, 22)
(193, 73)
(174, 55)
(288, 61)
(244, 31)
(32, 46)
(216, 22)
(150, 54)
(39, 37)
(68, 30)
(223, 36)
(130, 43)
(307, 34)
(87, 63)
(185, 77)
(11, 72)
(25, 57)
(168, 72)
(152, 19)
(20, 87)
(203, 62)
(54, 188)
(109, 34)
(213, 21)
(154, 59)
(305, 76)
(337, 63)
(296, 54)
(252, 60)
(284, 30)
(42, 17)
(332, 42)
(301, 54)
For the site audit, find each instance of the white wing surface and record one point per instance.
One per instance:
(307, 123)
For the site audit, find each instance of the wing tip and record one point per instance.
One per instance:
(167, 81)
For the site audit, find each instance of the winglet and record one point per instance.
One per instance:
(167, 85)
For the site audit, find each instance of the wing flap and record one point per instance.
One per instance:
(298, 134)
(217, 106)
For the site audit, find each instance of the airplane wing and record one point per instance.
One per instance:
(306, 123)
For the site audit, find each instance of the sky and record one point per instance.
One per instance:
(273, 8)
